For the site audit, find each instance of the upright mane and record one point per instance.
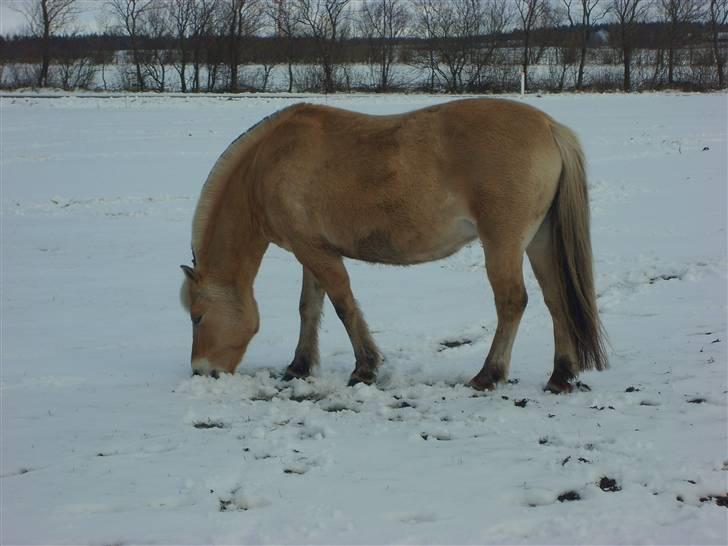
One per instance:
(219, 176)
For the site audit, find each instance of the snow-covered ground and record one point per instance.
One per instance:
(106, 439)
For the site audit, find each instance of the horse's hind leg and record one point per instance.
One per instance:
(504, 264)
(331, 273)
(540, 253)
(306, 357)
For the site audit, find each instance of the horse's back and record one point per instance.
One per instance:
(410, 187)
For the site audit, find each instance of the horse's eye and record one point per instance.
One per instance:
(196, 319)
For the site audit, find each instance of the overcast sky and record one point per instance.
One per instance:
(12, 22)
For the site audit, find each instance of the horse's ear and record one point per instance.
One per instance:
(190, 273)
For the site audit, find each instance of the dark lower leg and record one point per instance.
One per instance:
(565, 368)
(365, 350)
(334, 279)
(506, 279)
(306, 357)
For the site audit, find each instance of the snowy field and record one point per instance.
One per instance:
(106, 439)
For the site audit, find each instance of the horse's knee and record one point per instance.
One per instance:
(512, 302)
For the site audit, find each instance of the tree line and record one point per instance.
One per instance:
(456, 46)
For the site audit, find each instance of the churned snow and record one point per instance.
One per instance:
(106, 439)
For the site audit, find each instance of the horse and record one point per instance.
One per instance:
(326, 183)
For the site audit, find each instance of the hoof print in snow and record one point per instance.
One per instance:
(225, 505)
(209, 424)
(239, 503)
(569, 496)
(402, 404)
(720, 500)
(608, 484)
(295, 470)
(337, 407)
(706, 148)
(696, 400)
(440, 436)
(521, 403)
(666, 277)
(649, 403)
(582, 387)
(565, 460)
(543, 441)
(310, 397)
(453, 343)
(631, 389)
(513, 381)
(583, 460)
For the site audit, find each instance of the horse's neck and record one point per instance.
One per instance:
(234, 244)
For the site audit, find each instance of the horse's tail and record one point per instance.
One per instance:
(573, 254)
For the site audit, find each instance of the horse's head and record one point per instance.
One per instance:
(224, 320)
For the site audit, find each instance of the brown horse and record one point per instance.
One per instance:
(326, 183)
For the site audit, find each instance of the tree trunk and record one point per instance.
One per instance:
(182, 70)
(580, 75)
(233, 69)
(526, 41)
(719, 61)
(582, 58)
(46, 47)
(137, 63)
(627, 84)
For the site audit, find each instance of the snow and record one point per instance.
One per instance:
(106, 439)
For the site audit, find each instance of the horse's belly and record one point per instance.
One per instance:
(405, 247)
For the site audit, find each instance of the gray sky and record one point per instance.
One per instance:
(12, 22)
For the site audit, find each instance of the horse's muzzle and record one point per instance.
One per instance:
(202, 367)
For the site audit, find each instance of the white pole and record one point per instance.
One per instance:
(523, 83)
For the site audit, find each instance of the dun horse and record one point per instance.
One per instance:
(326, 183)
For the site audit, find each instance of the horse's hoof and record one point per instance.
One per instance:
(558, 387)
(290, 375)
(366, 377)
(300, 368)
(481, 385)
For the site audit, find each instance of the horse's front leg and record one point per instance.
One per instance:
(333, 277)
(306, 357)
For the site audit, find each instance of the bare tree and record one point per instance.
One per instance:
(531, 14)
(717, 18)
(460, 39)
(242, 19)
(563, 55)
(326, 22)
(588, 15)
(75, 71)
(181, 14)
(202, 24)
(626, 14)
(284, 14)
(450, 28)
(47, 18)
(129, 15)
(382, 22)
(678, 14)
(156, 58)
